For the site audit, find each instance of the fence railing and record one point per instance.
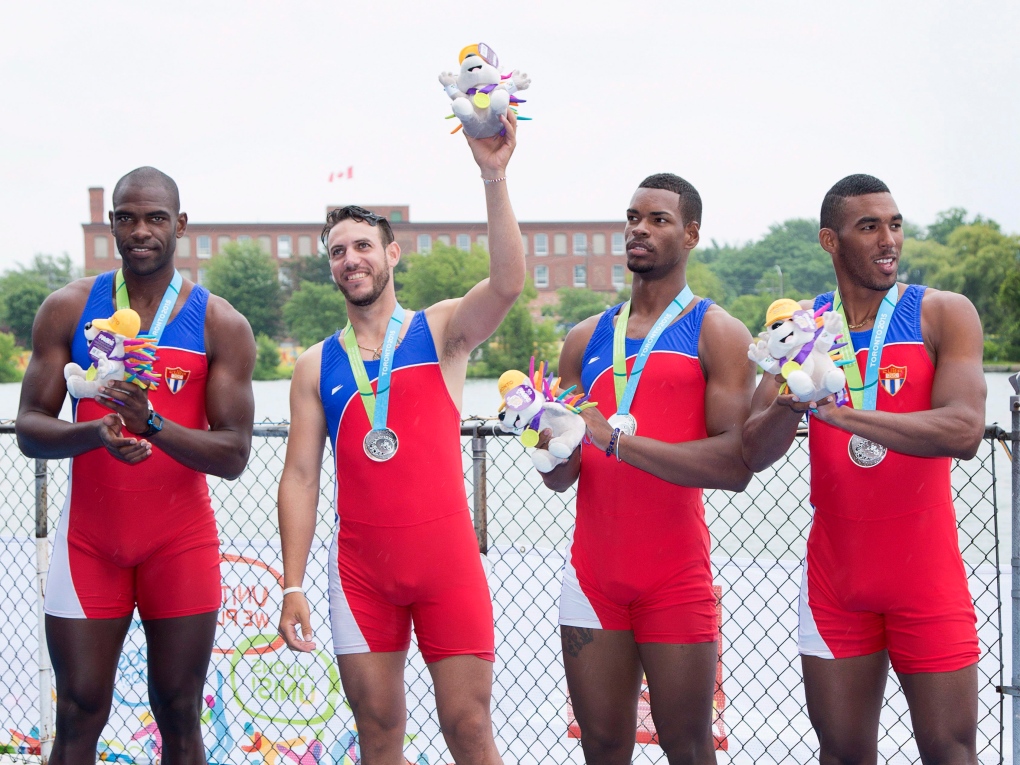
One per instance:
(265, 702)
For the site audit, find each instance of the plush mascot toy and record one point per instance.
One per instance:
(533, 404)
(480, 94)
(117, 353)
(797, 343)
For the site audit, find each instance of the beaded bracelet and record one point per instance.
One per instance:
(612, 442)
(487, 181)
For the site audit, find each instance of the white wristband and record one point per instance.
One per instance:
(289, 590)
(452, 90)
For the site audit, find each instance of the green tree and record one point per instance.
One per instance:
(246, 277)
(312, 268)
(703, 280)
(444, 273)
(576, 304)
(517, 339)
(946, 222)
(313, 312)
(267, 360)
(986, 257)
(9, 353)
(926, 261)
(1009, 303)
(751, 309)
(21, 294)
(792, 245)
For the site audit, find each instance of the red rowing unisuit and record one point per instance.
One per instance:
(140, 534)
(639, 559)
(883, 563)
(405, 547)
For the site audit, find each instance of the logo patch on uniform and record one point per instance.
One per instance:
(892, 378)
(175, 378)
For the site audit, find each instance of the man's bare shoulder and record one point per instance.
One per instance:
(307, 368)
(721, 326)
(63, 307)
(945, 315)
(581, 332)
(220, 316)
(943, 300)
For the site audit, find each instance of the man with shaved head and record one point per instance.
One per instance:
(883, 580)
(138, 528)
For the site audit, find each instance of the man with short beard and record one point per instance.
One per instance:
(138, 527)
(883, 581)
(405, 549)
(637, 585)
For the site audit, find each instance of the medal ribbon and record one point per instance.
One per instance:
(627, 386)
(864, 393)
(376, 404)
(166, 305)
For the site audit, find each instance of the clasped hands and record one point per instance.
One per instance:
(129, 407)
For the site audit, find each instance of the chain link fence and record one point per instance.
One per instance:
(266, 704)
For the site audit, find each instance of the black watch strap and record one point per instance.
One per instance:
(154, 423)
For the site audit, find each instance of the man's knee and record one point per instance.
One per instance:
(83, 713)
(948, 748)
(690, 744)
(470, 726)
(178, 715)
(606, 739)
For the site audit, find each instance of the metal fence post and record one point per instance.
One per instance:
(1014, 690)
(481, 510)
(42, 567)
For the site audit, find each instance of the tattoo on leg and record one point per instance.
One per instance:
(575, 639)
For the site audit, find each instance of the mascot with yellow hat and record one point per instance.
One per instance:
(797, 344)
(480, 94)
(117, 353)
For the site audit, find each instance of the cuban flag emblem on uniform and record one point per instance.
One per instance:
(175, 378)
(892, 378)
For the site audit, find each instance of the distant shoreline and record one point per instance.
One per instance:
(1001, 367)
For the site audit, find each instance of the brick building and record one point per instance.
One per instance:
(558, 253)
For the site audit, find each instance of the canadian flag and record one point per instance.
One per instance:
(349, 173)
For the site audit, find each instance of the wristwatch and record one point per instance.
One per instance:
(154, 423)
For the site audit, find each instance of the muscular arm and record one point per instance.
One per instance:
(772, 426)
(229, 403)
(41, 434)
(562, 477)
(955, 424)
(462, 325)
(713, 462)
(298, 497)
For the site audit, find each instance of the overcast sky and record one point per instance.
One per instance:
(250, 106)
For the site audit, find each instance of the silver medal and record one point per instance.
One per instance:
(865, 453)
(381, 445)
(625, 422)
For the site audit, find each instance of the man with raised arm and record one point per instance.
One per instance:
(387, 391)
(883, 580)
(670, 371)
(138, 526)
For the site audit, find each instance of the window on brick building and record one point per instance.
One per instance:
(204, 247)
(464, 242)
(185, 273)
(396, 217)
(524, 243)
(424, 243)
(201, 276)
(243, 238)
(598, 244)
(283, 245)
(618, 244)
(541, 244)
(266, 244)
(580, 244)
(102, 247)
(482, 240)
(559, 244)
(304, 246)
(580, 276)
(541, 276)
(444, 238)
(221, 242)
(184, 247)
(618, 280)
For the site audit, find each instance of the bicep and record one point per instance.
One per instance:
(476, 316)
(959, 377)
(307, 439)
(572, 354)
(43, 388)
(729, 386)
(230, 402)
